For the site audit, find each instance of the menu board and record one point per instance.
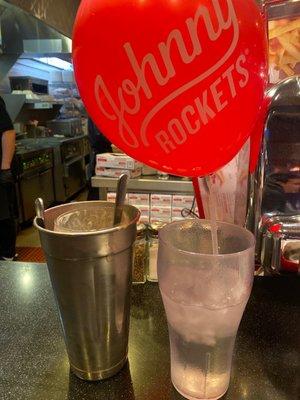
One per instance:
(284, 39)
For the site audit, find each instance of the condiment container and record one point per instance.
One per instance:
(140, 255)
(153, 230)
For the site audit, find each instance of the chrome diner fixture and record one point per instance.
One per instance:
(274, 195)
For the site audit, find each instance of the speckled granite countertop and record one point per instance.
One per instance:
(34, 365)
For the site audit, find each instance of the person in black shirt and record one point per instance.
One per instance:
(7, 186)
(99, 144)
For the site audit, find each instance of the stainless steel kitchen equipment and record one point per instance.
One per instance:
(22, 110)
(69, 127)
(60, 18)
(35, 132)
(35, 85)
(69, 167)
(69, 159)
(23, 35)
(35, 177)
(274, 194)
(91, 280)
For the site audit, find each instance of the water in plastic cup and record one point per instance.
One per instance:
(204, 297)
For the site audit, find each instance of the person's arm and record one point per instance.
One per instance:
(8, 144)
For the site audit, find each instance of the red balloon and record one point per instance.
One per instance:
(175, 84)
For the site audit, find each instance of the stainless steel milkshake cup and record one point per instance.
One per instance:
(91, 274)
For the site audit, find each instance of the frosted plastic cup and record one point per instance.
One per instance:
(204, 297)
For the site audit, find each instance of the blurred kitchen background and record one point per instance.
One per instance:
(37, 84)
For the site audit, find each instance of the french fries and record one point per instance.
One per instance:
(284, 48)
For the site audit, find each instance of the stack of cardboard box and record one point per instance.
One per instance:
(161, 208)
(179, 202)
(113, 165)
(142, 202)
(158, 207)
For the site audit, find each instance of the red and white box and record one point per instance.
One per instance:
(111, 197)
(142, 199)
(176, 213)
(145, 213)
(120, 161)
(115, 172)
(183, 201)
(160, 214)
(164, 200)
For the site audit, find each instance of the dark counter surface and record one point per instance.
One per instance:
(34, 365)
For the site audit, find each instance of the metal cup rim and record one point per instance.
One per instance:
(94, 233)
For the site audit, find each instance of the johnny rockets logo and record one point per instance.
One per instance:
(127, 101)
